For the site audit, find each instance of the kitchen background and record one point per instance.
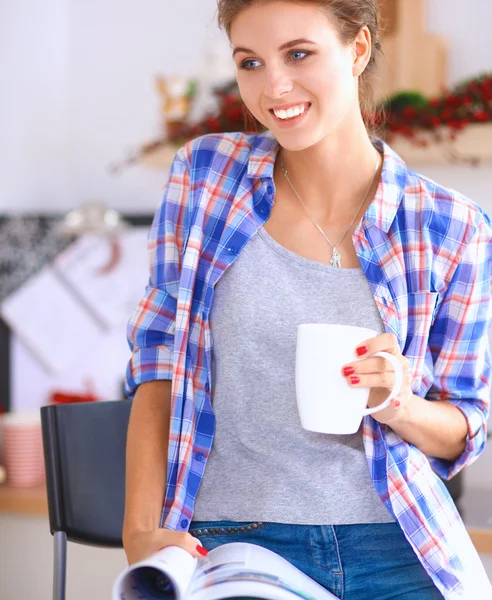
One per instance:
(79, 103)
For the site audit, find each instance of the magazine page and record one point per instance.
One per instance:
(164, 575)
(247, 570)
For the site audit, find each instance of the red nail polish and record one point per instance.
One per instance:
(396, 403)
(361, 350)
(201, 550)
(348, 371)
(354, 380)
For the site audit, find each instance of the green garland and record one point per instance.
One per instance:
(410, 113)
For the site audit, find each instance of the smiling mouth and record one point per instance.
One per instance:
(291, 113)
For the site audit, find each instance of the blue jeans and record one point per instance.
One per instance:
(353, 562)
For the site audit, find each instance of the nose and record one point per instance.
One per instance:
(277, 83)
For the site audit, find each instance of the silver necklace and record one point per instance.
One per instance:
(336, 257)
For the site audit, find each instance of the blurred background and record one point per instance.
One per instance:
(95, 98)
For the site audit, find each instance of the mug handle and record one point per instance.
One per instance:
(397, 366)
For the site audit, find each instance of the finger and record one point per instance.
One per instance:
(182, 540)
(195, 547)
(385, 342)
(386, 379)
(367, 365)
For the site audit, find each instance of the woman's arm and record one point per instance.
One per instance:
(150, 333)
(146, 468)
(146, 456)
(450, 424)
(438, 429)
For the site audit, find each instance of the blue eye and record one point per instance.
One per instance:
(294, 56)
(246, 65)
(298, 55)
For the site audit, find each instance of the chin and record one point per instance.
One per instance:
(297, 141)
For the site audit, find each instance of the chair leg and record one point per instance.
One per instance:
(59, 565)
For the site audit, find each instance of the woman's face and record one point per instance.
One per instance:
(294, 74)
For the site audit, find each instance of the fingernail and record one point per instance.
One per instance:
(348, 371)
(201, 550)
(396, 403)
(354, 380)
(361, 350)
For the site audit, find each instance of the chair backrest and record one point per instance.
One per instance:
(84, 449)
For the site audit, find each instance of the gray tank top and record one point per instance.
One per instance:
(263, 465)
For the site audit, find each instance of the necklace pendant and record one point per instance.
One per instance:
(335, 258)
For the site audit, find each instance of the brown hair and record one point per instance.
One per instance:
(348, 18)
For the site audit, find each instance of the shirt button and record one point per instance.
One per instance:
(232, 250)
(207, 387)
(263, 210)
(184, 523)
(270, 190)
(200, 456)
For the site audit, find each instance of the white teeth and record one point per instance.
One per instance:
(293, 111)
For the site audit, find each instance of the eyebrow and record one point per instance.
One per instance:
(282, 47)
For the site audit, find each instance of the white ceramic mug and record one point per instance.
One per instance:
(326, 401)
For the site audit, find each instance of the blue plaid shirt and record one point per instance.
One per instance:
(426, 252)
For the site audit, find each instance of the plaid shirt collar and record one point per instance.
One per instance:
(389, 194)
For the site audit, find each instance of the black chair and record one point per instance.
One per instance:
(84, 453)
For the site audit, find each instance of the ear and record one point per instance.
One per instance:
(361, 48)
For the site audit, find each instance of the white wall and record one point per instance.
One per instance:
(463, 25)
(34, 115)
(77, 94)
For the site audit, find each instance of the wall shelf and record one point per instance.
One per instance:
(160, 159)
(473, 142)
(24, 501)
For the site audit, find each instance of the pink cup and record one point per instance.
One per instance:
(23, 449)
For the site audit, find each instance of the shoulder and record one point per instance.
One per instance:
(450, 218)
(222, 152)
(435, 227)
(448, 227)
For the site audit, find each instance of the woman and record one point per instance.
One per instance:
(313, 221)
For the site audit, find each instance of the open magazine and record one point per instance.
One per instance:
(231, 571)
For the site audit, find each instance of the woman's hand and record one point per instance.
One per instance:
(139, 545)
(377, 373)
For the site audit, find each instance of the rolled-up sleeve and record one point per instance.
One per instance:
(460, 349)
(150, 331)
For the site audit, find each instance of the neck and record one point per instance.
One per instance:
(333, 175)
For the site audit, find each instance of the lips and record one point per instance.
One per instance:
(290, 108)
(290, 121)
(290, 105)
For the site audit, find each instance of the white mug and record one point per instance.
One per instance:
(325, 400)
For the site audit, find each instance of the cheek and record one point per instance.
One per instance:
(333, 87)
(250, 92)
